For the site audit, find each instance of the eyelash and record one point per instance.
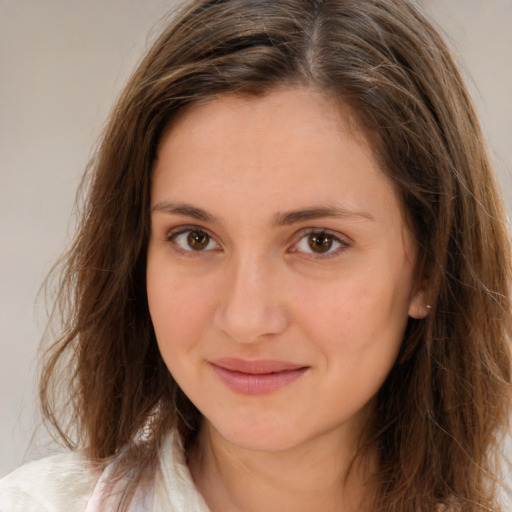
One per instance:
(335, 238)
(182, 230)
(341, 243)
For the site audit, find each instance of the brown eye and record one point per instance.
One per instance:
(197, 240)
(320, 242)
(193, 240)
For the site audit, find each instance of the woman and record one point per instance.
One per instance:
(290, 287)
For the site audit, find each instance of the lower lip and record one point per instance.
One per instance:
(257, 384)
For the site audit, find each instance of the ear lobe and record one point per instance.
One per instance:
(419, 307)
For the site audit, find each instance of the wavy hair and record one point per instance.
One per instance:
(440, 416)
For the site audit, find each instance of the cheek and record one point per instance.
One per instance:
(177, 307)
(357, 318)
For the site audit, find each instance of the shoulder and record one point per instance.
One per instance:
(54, 484)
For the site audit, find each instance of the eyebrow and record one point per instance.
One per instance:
(184, 209)
(280, 219)
(304, 214)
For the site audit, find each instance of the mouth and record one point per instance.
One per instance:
(256, 377)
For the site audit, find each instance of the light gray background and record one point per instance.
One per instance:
(62, 64)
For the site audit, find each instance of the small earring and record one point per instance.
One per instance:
(428, 306)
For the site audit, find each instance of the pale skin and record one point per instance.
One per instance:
(276, 237)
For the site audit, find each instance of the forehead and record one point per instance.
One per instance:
(289, 148)
(279, 124)
(234, 111)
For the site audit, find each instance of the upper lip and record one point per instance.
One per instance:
(256, 367)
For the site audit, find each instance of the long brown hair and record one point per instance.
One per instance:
(440, 414)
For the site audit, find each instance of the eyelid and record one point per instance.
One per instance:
(338, 237)
(344, 240)
(184, 228)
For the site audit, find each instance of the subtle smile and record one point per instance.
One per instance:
(256, 377)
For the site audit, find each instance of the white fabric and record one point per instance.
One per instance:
(64, 483)
(104, 497)
(55, 484)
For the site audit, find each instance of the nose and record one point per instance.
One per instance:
(250, 304)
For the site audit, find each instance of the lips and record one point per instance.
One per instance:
(256, 377)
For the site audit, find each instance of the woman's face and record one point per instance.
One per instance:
(280, 269)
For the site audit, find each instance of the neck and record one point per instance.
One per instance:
(309, 477)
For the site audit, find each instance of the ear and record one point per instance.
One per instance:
(419, 306)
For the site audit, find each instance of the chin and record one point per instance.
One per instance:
(259, 435)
